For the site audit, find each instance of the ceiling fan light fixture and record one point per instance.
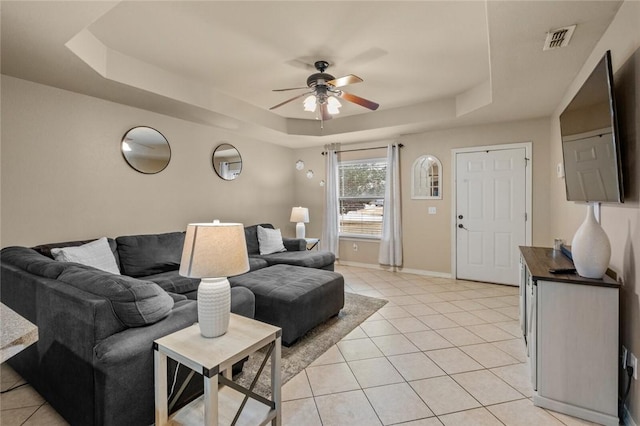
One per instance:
(310, 103)
(333, 105)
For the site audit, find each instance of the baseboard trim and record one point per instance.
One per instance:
(394, 269)
(573, 410)
(627, 420)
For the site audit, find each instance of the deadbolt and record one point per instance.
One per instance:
(460, 216)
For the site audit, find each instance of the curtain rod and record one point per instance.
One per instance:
(361, 149)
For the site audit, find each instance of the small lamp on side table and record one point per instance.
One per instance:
(213, 252)
(300, 215)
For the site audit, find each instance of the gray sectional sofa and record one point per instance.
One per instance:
(93, 361)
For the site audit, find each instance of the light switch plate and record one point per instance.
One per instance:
(432, 210)
(560, 170)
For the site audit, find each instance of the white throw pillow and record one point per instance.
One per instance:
(270, 240)
(96, 254)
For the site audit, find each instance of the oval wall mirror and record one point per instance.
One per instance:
(426, 178)
(227, 161)
(146, 150)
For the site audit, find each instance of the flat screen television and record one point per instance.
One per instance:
(590, 140)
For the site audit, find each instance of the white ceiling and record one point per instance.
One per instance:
(430, 64)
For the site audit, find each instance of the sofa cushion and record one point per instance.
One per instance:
(33, 262)
(135, 302)
(243, 302)
(45, 249)
(251, 236)
(96, 254)
(309, 259)
(143, 255)
(270, 240)
(174, 282)
(256, 263)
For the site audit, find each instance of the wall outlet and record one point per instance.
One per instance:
(633, 362)
(625, 353)
(355, 247)
(432, 210)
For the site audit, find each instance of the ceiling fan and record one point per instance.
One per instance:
(325, 91)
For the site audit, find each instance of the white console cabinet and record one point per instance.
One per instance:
(570, 325)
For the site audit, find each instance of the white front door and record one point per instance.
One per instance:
(490, 214)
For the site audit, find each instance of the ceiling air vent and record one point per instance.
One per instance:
(558, 38)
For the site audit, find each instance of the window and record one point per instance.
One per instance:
(426, 178)
(361, 196)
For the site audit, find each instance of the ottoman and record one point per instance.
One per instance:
(293, 298)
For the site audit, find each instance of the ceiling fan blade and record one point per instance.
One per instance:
(343, 81)
(324, 112)
(358, 100)
(290, 88)
(304, 62)
(289, 100)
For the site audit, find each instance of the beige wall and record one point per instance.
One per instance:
(620, 221)
(63, 177)
(427, 238)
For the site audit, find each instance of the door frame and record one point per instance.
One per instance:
(528, 147)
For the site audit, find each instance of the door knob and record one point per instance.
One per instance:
(461, 226)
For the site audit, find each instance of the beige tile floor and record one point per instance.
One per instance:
(441, 352)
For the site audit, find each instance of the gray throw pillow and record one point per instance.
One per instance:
(96, 254)
(270, 240)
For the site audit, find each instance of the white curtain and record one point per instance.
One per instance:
(329, 239)
(391, 240)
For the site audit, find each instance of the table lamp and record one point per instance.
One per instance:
(300, 215)
(213, 252)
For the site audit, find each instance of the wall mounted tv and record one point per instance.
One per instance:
(590, 140)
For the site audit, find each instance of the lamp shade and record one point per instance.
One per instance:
(299, 214)
(214, 250)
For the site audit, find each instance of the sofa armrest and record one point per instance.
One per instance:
(124, 368)
(294, 244)
(59, 364)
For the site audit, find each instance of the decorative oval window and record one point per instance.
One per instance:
(426, 178)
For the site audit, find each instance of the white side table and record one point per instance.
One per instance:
(223, 400)
(312, 243)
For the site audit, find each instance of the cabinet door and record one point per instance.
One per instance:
(523, 299)
(578, 345)
(532, 329)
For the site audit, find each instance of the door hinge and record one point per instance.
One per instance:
(526, 216)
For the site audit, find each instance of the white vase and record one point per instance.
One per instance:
(214, 304)
(590, 248)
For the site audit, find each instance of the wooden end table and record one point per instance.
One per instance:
(211, 356)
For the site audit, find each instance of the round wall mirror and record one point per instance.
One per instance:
(146, 150)
(226, 161)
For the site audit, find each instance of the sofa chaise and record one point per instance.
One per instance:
(93, 361)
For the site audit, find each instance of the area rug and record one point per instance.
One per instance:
(297, 357)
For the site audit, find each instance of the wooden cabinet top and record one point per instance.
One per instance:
(540, 259)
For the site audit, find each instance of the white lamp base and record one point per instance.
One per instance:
(300, 230)
(214, 305)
